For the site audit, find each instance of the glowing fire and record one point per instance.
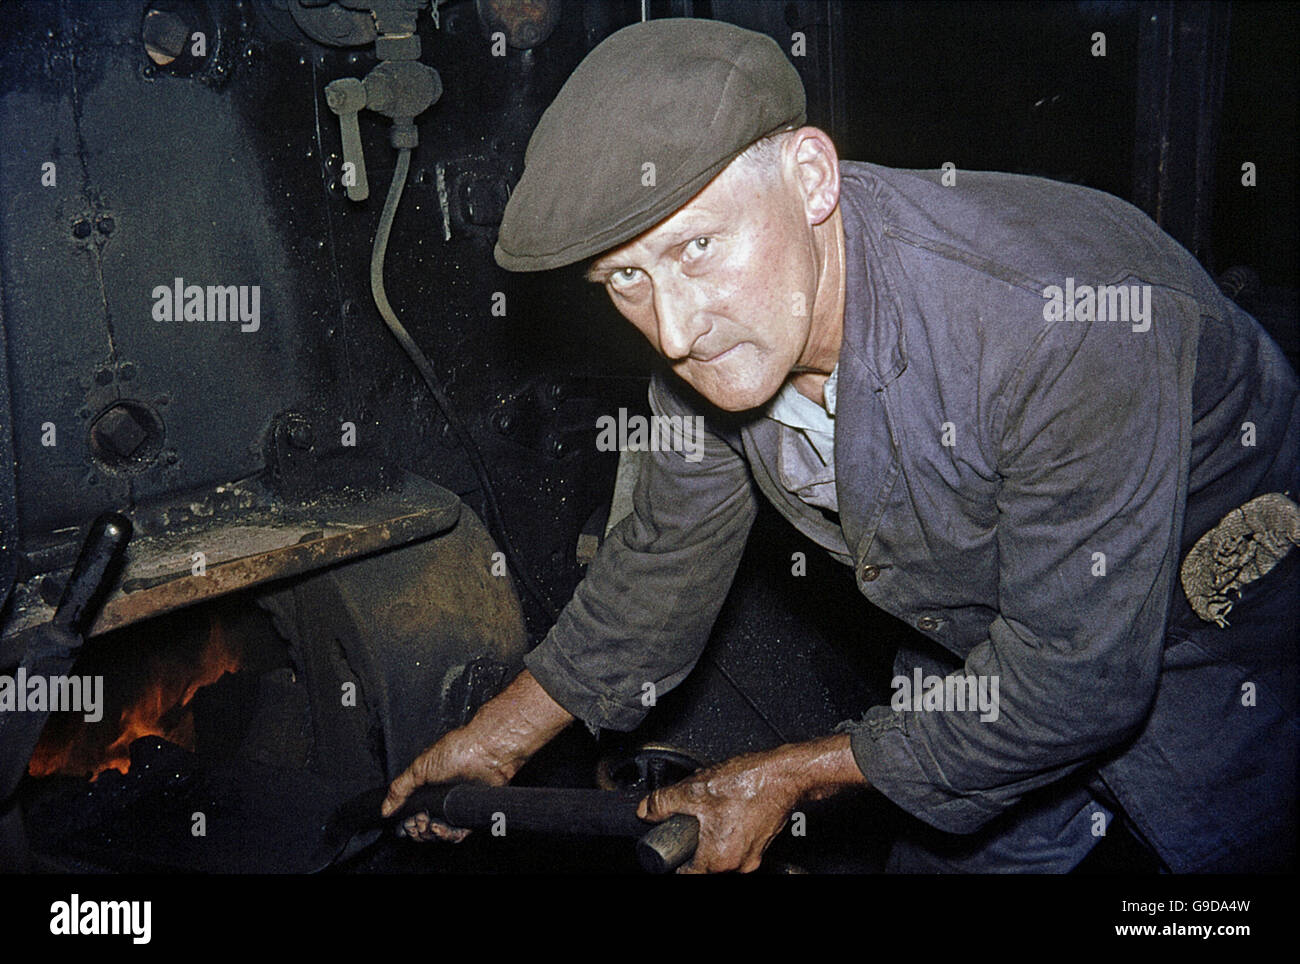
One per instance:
(162, 709)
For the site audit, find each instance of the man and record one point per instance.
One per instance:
(913, 374)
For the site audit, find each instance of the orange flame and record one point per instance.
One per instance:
(161, 710)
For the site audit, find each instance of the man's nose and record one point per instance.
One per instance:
(680, 321)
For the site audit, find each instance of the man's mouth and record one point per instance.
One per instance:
(719, 356)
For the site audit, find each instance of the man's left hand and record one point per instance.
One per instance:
(743, 803)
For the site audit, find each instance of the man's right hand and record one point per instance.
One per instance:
(454, 758)
(505, 732)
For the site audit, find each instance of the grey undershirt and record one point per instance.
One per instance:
(806, 462)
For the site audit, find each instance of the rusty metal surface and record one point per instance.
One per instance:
(254, 546)
(426, 633)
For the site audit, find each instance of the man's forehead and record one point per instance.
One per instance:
(684, 221)
(707, 210)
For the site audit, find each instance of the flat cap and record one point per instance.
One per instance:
(681, 94)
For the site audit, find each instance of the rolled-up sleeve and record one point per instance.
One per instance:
(1093, 443)
(639, 621)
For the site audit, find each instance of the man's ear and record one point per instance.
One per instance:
(816, 167)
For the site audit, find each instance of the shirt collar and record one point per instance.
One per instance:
(828, 390)
(791, 407)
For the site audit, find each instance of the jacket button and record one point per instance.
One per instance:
(927, 623)
(869, 573)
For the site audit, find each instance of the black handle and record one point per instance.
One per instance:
(660, 848)
(594, 813)
(100, 553)
(52, 647)
(669, 844)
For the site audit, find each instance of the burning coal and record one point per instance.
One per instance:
(149, 694)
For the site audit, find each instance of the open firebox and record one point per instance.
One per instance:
(223, 701)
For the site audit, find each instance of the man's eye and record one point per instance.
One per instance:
(700, 243)
(623, 277)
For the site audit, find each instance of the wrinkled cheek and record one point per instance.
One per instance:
(648, 332)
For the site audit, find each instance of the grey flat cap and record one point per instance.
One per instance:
(681, 94)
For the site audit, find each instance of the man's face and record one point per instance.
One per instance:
(724, 288)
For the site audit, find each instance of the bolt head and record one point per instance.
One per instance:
(118, 432)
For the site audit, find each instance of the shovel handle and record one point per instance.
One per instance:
(668, 845)
(660, 848)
